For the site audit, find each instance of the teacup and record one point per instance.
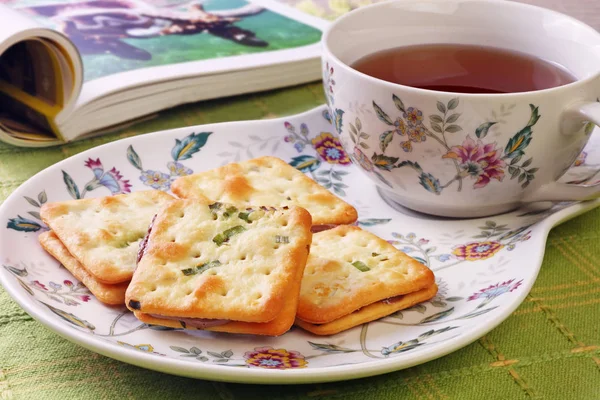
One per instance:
(464, 155)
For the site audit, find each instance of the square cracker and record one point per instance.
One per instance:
(213, 261)
(370, 313)
(349, 268)
(266, 181)
(103, 233)
(108, 294)
(276, 327)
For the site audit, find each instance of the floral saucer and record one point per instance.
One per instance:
(484, 267)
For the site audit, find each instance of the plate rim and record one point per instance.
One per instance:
(264, 376)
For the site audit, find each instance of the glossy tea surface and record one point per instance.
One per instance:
(464, 69)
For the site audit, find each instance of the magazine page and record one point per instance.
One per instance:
(40, 75)
(129, 43)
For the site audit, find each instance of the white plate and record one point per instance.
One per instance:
(484, 267)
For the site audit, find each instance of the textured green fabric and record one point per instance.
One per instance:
(549, 348)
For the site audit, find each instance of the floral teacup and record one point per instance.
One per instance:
(464, 155)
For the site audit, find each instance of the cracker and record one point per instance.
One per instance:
(370, 313)
(103, 233)
(214, 261)
(266, 181)
(276, 327)
(349, 268)
(108, 294)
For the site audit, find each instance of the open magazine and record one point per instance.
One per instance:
(73, 69)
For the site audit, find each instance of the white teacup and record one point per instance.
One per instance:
(464, 155)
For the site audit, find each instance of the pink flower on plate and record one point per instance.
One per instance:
(95, 165)
(496, 290)
(38, 285)
(479, 161)
(112, 180)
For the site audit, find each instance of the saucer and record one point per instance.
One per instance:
(484, 267)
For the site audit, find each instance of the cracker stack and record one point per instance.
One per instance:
(353, 277)
(217, 267)
(97, 239)
(232, 255)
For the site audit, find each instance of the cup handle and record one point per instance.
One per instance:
(588, 112)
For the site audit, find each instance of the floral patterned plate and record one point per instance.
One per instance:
(484, 267)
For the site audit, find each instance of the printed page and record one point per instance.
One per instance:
(128, 43)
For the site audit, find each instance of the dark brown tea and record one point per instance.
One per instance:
(464, 69)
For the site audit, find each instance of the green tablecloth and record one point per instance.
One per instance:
(549, 348)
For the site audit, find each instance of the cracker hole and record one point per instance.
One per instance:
(243, 258)
(189, 292)
(182, 215)
(268, 272)
(197, 255)
(225, 293)
(258, 296)
(276, 246)
(284, 223)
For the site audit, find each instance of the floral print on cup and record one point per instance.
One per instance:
(471, 155)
